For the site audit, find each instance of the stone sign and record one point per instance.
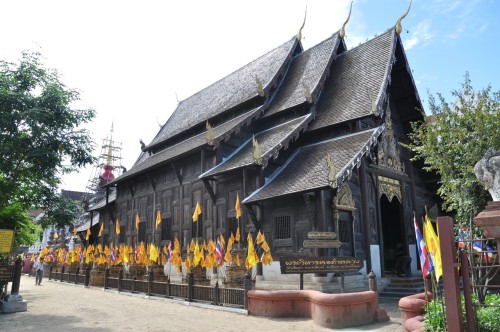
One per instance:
(290, 265)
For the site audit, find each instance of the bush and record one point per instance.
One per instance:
(488, 316)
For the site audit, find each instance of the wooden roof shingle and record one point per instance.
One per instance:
(307, 169)
(358, 82)
(309, 67)
(232, 90)
(271, 141)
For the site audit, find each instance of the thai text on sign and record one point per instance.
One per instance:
(6, 238)
(339, 264)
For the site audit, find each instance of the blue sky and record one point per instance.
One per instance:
(132, 60)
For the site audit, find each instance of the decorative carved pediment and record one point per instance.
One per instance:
(343, 200)
(389, 149)
(390, 188)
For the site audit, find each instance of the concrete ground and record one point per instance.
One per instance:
(56, 306)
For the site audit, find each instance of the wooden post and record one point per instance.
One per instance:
(342, 287)
(190, 287)
(167, 286)
(62, 273)
(454, 319)
(469, 310)
(248, 287)
(216, 293)
(120, 277)
(133, 284)
(150, 280)
(16, 278)
(76, 274)
(50, 272)
(106, 276)
(86, 279)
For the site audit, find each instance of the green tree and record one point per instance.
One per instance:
(41, 135)
(453, 139)
(63, 211)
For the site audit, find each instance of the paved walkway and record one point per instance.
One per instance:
(56, 306)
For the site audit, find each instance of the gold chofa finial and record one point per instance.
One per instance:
(257, 157)
(307, 93)
(342, 30)
(332, 172)
(299, 35)
(399, 27)
(209, 136)
(260, 88)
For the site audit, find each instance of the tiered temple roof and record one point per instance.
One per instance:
(315, 90)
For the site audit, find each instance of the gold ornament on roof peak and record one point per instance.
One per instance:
(209, 136)
(307, 93)
(257, 156)
(399, 27)
(342, 30)
(332, 172)
(299, 35)
(260, 87)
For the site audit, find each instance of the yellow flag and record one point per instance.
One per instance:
(252, 258)
(117, 226)
(101, 230)
(266, 258)
(137, 221)
(265, 246)
(153, 253)
(188, 265)
(197, 212)
(260, 238)
(74, 230)
(237, 207)
(238, 236)
(158, 219)
(197, 255)
(126, 255)
(88, 234)
(56, 236)
(432, 242)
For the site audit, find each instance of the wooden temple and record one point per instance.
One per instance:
(310, 140)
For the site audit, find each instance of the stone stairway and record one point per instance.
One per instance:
(399, 287)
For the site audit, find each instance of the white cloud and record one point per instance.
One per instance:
(421, 35)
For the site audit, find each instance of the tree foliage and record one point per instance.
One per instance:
(41, 135)
(453, 139)
(63, 211)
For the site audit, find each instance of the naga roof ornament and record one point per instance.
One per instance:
(260, 87)
(209, 136)
(332, 172)
(342, 30)
(299, 35)
(399, 27)
(307, 93)
(257, 155)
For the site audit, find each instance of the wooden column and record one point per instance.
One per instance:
(365, 217)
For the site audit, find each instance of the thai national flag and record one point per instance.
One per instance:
(425, 261)
(170, 253)
(219, 253)
(112, 257)
(487, 251)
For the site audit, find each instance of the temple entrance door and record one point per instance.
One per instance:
(392, 232)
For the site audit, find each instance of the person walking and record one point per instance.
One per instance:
(39, 271)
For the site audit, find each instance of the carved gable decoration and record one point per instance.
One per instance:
(389, 149)
(343, 200)
(390, 188)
